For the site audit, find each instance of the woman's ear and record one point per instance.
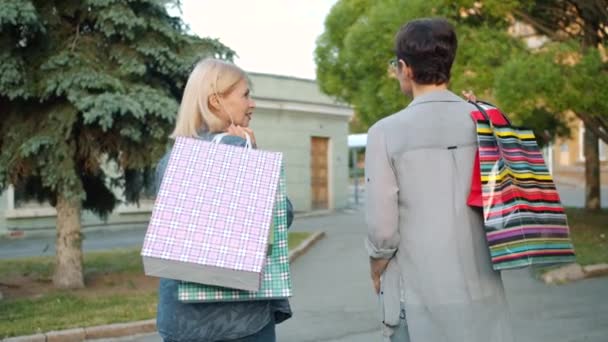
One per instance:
(214, 101)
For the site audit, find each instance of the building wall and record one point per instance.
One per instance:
(569, 160)
(290, 111)
(296, 130)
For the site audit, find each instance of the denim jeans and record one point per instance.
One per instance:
(401, 333)
(267, 334)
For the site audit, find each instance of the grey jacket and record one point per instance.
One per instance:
(418, 175)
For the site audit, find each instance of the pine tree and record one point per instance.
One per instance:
(88, 87)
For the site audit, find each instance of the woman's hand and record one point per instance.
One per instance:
(242, 132)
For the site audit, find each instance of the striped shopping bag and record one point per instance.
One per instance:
(276, 282)
(524, 220)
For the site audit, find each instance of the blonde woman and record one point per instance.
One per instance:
(217, 99)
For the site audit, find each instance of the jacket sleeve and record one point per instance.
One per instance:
(160, 172)
(382, 212)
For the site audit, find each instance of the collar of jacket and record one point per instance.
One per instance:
(443, 95)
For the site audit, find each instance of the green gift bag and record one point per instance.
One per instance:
(276, 281)
(270, 237)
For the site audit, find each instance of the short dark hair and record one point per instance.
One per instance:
(428, 46)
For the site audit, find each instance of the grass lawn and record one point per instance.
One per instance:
(590, 235)
(117, 291)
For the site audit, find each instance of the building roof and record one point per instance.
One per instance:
(294, 94)
(278, 87)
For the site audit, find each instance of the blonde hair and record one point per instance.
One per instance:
(209, 77)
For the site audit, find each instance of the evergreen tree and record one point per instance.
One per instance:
(89, 91)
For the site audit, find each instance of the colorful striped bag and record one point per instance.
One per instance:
(276, 281)
(524, 220)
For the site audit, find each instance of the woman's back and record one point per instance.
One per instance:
(177, 321)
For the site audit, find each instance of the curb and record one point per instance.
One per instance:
(314, 213)
(305, 246)
(90, 333)
(131, 328)
(51, 232)
(20, 234)
(573, 272)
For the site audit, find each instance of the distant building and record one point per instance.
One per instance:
(567, 157)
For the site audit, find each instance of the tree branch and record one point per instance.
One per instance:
(537, 25)
(75, 38)
(595, 124)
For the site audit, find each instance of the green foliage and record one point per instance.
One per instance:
(358, 41)
(539, 87)
(532, 86)
(20, 15)
(589, 230)
(332, 65)
(86, 84)
(567, 74)
(482, 51)
(27, 316)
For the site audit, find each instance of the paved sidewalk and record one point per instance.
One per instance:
(334, 302)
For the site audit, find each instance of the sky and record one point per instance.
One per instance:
(269, 36)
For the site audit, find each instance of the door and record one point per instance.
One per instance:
(319, 172)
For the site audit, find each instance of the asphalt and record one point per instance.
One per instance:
(334, 301)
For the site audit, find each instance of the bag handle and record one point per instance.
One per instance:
(218, 137)
(485, 114)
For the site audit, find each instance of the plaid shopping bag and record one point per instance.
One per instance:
(277, 278)
(212, 214)
(524, 220)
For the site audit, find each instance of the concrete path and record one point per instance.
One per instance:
(334, 302)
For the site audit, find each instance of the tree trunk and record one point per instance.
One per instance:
(68, 261)
(592, 170)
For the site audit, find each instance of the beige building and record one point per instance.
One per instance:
(567, 157)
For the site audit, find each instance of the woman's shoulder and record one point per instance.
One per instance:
(226, 139)
(233, 140)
